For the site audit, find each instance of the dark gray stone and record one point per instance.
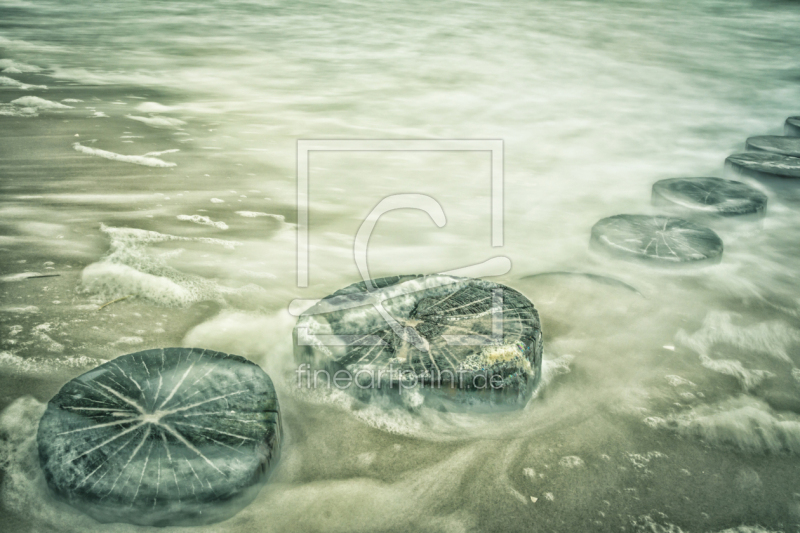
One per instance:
(792, 126)
(776, 144)
(657, 240)
(764, 165)
(467, 344)
(710, 197)
(174, 436)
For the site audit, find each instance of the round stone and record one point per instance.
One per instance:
(709, 196)
(657, 240)
(776, 144)
(464, 344)
(174, 436)
(792, 126)
(764, 164)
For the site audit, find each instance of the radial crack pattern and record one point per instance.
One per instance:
(471, 330)
(122, 442)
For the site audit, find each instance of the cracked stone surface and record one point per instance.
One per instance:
(776, 144)
(765, 163)
(656, 240)
(450, 335)
(710, 196)
(174, 436)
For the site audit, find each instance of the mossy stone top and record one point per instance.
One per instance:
(467, 343)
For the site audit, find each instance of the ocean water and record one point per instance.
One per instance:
(148, 154)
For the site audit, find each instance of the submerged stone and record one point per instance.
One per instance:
(464, 344)
(710, 197)
(174, 436)
(764, 165)
(657, 240)
(792, 126)
(775, 144)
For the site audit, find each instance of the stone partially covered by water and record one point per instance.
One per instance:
(792, 126)
(464, 344)
(709, 197)
(657, 240)
(775, 144)
(764, 164)
(174, 436)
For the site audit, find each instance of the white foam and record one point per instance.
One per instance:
(571, 461)
(136, 159)
(203, 220)
(19, 276)
(38, 103)
(731, 367)
(9, 65)
(744, 423)
(217, 201)
(677, 381)
(265, 338)
(255, 214)
(128, 341)
(162, 152)
(21, 310)
(11, 110)
(71, 100)
(12, 364)
(159, 122)
(11, 82)
(129, 270)
(154, 107)
(772, 338)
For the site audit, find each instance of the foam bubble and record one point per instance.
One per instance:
(203, 220)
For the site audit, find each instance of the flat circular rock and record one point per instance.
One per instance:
(775, 144)
(657, 240)
(464, 344)
(792, 126)
(764, 164)
(174, 436)
(710, 196)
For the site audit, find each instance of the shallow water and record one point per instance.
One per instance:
(670, 400)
